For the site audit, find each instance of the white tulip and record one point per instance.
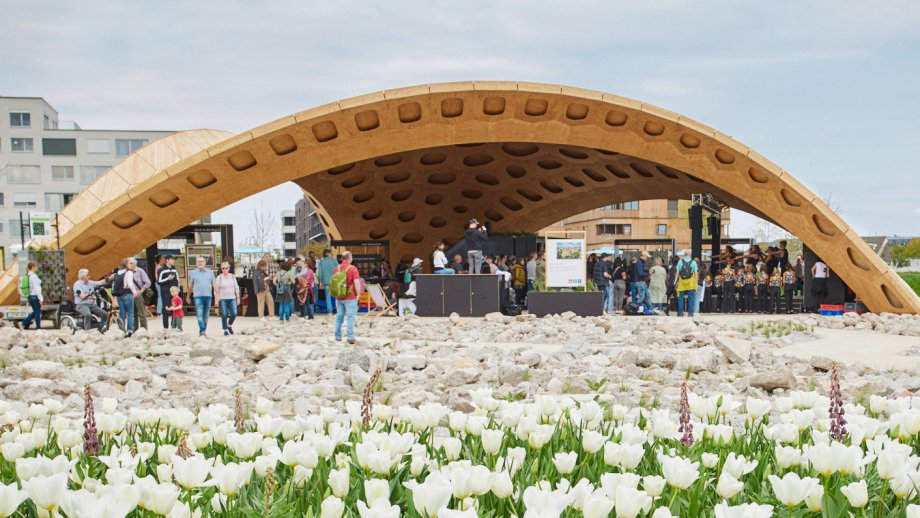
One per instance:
(46, 492)
(339, 482)
(433, 495)
(724, 510)
(451, 513)
(539, 437)
(10, 499)
(245, 445)
(452, 447)
(592, 441)
(262, 463)
(787, 456)
(380, 509)
(678, 471)
(662, 512)
(263, 406)
(728, 486)
(709, 460)
(502, 486)
(476, 424)
(492, 440)
(565, 462)
(738, 465)
(191, 472)
(905, 484)
(37, 411)
(792, 490)
(456, 421)
(543, 503)
(913, 511)
(109, 405)
(857, 493)
(814, 499)
(610, 482)
(597, 505)
(12, 451)
(757, 408)
(230, 478)
(54, 406)
(629, 502)
(653, 485)
(163, 498)
(332, 507)
(376, 489)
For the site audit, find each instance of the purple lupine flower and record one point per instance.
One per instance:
(686, 427)
(838, 427)
(90, 435)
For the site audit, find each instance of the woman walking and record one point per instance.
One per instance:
(285, 298)
(260, 284)
(228, 291)
(658, 290)
(31, 288)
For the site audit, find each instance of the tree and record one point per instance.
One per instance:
(765, 232)
(264, 231)
(902, 254)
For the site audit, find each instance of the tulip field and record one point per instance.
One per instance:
(801, 454)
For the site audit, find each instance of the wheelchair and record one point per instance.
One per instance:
(73, 320)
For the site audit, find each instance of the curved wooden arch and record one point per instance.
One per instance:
(415, 163)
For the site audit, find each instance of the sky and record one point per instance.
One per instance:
(828, 90)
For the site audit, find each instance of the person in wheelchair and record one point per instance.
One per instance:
(84, 299)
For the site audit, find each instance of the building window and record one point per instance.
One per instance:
(16, 228)
(20, 120)
(97, 145)
(630, 205)
(615, 229)
(25, 199)
(661, 229)
(47, 122)
(1, 227)
(31, 174)
(124, 147)
(89, 173)
(1, 199)
(21, 145)
(62, 173)
(57, 201)
(59, 146)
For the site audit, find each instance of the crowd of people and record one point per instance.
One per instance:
(756, 281)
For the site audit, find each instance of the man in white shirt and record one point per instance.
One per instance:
(820, 273)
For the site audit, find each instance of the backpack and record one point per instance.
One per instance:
(686, 269)
(338, 284)
(118, 285)
(25, 287)
(631, 308)
(407, 276)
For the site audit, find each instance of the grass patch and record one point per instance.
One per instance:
(912, 279)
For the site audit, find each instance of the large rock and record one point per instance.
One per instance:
(261, 348)
(772, 380)
(42, 369)
(350, 357)
(734, 349)
(407, 362)
(458, 377)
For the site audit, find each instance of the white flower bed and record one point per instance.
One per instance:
(547, 458)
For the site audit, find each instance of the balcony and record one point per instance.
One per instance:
(288, 229)
(290, 245)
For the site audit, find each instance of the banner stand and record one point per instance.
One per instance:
(566, 267)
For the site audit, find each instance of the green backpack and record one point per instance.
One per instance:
(24, 287)
(338, 284)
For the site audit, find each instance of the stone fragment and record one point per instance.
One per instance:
(350, 357)
(734, 349)
(772, 380)
(42, 369)
(261, 348)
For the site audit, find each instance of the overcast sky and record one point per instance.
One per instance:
(830, 91)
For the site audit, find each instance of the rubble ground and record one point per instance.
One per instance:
(628, 360)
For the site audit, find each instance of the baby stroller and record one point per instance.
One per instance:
(71, 319)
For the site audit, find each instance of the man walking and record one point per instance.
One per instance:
(346, 301)
(641, 276)
(167, 278)
(601, 279)
(686, 284)
(475, 239)
(325, 268)
(202, 286)
(84, 300)
(142, 281)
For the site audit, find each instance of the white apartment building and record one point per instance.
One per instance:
(45, 162)
(289, 233)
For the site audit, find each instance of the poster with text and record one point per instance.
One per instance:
(40, 223)
(565, 263)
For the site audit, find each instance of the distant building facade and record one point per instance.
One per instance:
(308, 227)
(644, 219)
(288, 234)
(45, 162)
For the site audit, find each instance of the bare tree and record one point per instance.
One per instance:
(828, 198)
(264, 231)
(765, 232)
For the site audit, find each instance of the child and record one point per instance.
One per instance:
(176, 308)
(789, 285)
(728, 290)
(763, 280)
(717, 289)
(739, 287)
(776, 281)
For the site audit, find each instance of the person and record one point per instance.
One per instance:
(790, 281)
(592, 262)
(457, 264)
(728, 289)
(439, 260)
(166, 279)
(776, 283)
(142, 281)
(540, 279)
(283, 281)
(779, 258)
(820, 273)
(705, 292)
(296, 270)
(700, 285)
(324, 273)
(125, 290)
(271, 271)
(739, 287)
(159, 263)
(175, 308)
(641, 278)
(717, 289)
(619, 285)
(754, 257)
(347, 305)
(749, 280)
(475, 239)
(31, 288)
(202, 286)
(84, 300)
(658, 290)
(686, 284)
(386, 272)
(228, 293)
(519, 280)
(490, 268)
(261, 284)
(799, 275)
(304, 282)
(601, 278)
(671, 284)
(762, 290)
